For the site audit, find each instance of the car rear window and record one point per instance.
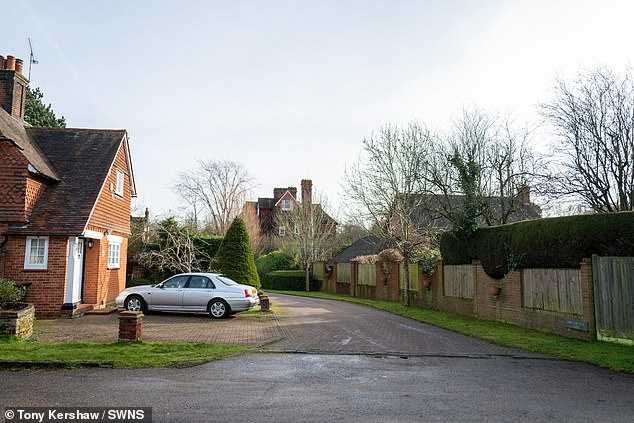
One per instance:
(225, 280)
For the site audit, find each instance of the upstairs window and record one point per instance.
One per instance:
(282, 231)
(286, 205)
(119, 187)
(36, 254)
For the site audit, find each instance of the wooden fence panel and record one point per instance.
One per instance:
(318, 271)
(557, 290)
(343, 272)
(458, 281)
(613, 279)
(366, 274)
(413, 277)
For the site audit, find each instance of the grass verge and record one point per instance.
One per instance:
(117, 354)
(604, 354)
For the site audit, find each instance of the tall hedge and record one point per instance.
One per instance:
(288, 280)
(560, 242)
(235, 258)
(275, 260)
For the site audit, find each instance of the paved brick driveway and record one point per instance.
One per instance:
(324, 326)
(306, 325)
(240, 329)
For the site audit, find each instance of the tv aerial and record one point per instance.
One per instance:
(32, 59)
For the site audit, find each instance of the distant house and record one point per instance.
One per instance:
(432, 219)
(284, 200)
(64, 206)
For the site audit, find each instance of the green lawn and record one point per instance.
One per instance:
(117, 354)
(604, 354)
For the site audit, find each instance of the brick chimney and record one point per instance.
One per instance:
(307, 191)
(12, 86)
(524, 194)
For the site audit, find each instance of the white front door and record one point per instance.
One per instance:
(74, 275)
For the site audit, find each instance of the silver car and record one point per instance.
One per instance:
(210, 292)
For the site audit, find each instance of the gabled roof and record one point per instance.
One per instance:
(12, 129)
(279, 200)
(82, 158)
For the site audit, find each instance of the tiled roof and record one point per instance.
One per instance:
(82, 158)
(13, 129)
(365, 246)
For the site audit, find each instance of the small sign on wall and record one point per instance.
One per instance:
(577, 325)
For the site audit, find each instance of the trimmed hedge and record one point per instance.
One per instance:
(560, 242)
(287, 280)
(275, 260)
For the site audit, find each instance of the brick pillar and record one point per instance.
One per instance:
(130, 324)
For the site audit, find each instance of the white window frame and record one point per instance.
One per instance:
(287, 205)
(119, 183)
(27, 253)
(281, 231)
(114, 251)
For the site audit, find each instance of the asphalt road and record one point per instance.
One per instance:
(471, 383)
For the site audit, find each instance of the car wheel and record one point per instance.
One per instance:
(219, 309)
(134, 303)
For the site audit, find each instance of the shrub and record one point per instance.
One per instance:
(206, 247)
(235, 258)
(275, 260)
(138, 282)
(427, 260)
(9, 292)
(288, 280)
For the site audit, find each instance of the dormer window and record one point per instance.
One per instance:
(119, 186)
(286, 205)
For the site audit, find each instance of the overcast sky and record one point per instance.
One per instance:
(290, 88)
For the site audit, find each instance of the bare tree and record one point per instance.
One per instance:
(218, 187)
(594, 158)
(383, 188)
(488, 163)
(176, 250)
(308, 231)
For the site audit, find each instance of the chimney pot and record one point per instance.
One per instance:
(9, 63)
(18, 65)
(1, 62)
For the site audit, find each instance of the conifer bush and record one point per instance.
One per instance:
(235, 257)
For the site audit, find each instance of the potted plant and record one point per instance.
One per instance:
(16, 317)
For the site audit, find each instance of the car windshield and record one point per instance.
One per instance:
(225, 280)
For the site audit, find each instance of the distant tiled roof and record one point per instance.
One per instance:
(82, 158)
(13, 129)
(266, 203)
(365, 246)
(431, 215)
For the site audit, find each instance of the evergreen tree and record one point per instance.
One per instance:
(235, 257)
(38, 114)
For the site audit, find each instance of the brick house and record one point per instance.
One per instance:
(266, 209)
(64, 206)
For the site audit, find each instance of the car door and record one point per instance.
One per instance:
(169, 294)
(197, 293)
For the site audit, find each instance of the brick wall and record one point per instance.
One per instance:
(34, 190)
(47, 287)
(505, 307)
(112, 211)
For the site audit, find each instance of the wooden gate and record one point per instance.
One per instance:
(613, 279)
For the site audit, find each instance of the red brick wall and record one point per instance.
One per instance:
(102, 285)
(13, 176)
(506, 307)
(47, 287)
(112, 211)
